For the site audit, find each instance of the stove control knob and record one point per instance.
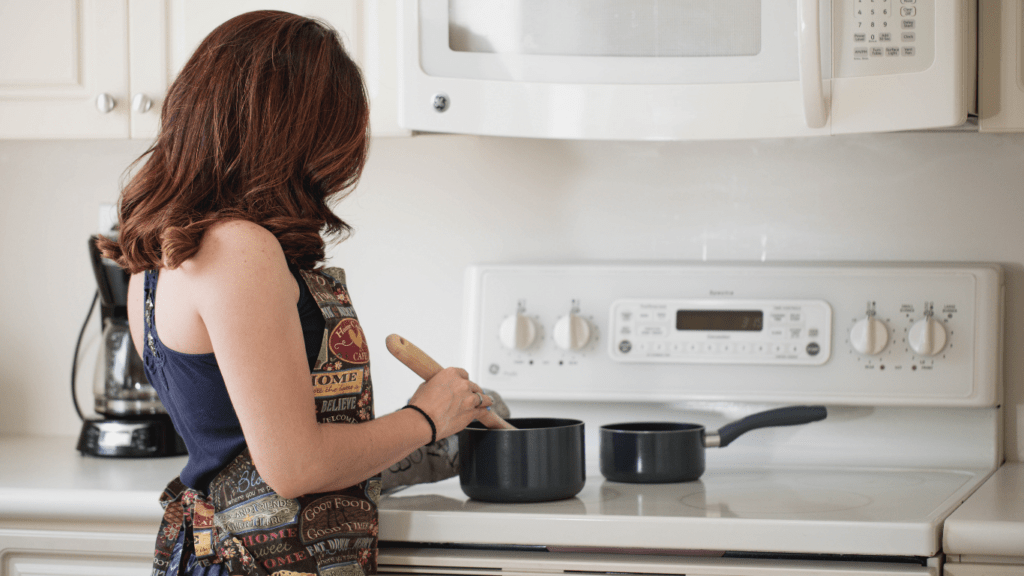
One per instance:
(572, 332)
(518, 331)
(869, 336)
(927, 336)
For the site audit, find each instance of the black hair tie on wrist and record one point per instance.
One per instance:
(433, 429)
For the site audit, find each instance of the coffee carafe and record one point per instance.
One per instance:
(132, 422)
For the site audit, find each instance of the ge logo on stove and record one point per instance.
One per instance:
(625, 346)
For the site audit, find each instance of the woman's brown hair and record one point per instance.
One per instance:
(266, 122)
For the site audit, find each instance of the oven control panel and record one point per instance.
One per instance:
(855, 334)
(779, 332)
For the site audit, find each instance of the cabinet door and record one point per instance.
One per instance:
(71, 565)
(149, 77)
(379, 61)
(70, 553)
(953, 569)
(1001, 65)
(57, 57)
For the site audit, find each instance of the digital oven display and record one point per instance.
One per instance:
(720, 320)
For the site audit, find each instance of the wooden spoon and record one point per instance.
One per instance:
(425, 367)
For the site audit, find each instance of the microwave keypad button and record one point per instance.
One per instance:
(908, 1)
(892, 51)
(908, 11)
(909, 24)
(876, 51)
(859, 37)
(908, 50)
(885, 37)
(908, 36)
(860, 54)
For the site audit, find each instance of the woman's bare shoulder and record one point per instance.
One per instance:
(240, 256)
(232, 244)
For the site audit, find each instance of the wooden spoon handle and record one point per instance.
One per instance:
(425, 367)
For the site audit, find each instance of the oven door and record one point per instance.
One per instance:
(481, 562)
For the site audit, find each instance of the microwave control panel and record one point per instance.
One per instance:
(882, 37)
(857, 334)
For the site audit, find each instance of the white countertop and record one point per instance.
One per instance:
(991, 521)
(46, 478)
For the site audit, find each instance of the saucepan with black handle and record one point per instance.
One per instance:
(659, 452)
(518, 460)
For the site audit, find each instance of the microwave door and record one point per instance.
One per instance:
(614, 69)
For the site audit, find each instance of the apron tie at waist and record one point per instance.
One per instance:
(185, 508)
(188, 509)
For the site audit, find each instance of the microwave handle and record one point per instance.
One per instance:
(809, 41)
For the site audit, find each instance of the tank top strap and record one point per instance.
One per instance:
(150, 353)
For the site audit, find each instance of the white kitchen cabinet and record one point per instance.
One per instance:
(58, 57)
(60, 552)
(1001, 66)
(982, 569)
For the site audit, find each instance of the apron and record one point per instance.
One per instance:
(244, 525)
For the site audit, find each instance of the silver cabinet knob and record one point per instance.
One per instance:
(141, 103)
(105, 103)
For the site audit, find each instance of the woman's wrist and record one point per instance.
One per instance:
(430, 421)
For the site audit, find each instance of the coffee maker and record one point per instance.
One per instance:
(132, 422)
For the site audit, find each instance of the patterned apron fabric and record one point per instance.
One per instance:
(244, 525)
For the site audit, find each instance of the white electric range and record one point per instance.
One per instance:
(906, 356)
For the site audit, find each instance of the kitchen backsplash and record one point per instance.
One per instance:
(429, 206)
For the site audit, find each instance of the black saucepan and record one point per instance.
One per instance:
(541, 460)
(519, 460)
(656, 452)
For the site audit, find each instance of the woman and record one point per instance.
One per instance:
(257, 354)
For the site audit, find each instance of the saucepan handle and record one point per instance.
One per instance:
(788, 416)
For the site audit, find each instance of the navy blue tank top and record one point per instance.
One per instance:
(192, 389)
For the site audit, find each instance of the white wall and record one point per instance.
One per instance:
(429, 206)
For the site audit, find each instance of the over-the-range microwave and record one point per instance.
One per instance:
(685, 69)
